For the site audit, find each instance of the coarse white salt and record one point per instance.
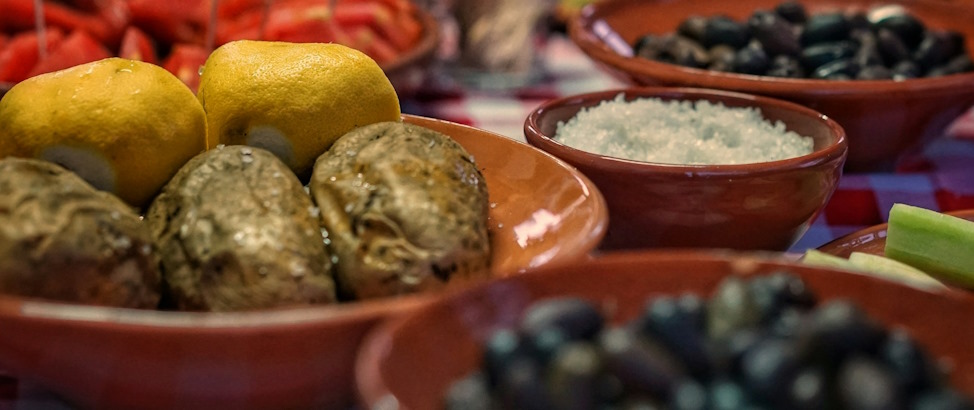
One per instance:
(680, 132)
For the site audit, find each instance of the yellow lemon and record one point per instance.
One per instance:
(124, 126)
(293, 99)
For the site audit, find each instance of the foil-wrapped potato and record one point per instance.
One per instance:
(62, 239)
(236, 230)
(405, 209)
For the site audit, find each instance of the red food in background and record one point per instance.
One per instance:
(21, 54)
(78, 48)
(173, 32)
(136, 45)
(185, 61)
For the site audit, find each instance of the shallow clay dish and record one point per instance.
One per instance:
(872, 240)
(882, 118)
(544, 212)
(410, 361)
(766, 206)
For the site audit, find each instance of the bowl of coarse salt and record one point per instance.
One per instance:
(696, 168)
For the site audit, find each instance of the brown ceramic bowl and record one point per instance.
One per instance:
(873, 239)
(412, 360)
(882, 118)
(543, 212)
(764, 206)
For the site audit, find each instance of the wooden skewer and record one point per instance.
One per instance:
(264, 18)
(41, 28)
(211, 27)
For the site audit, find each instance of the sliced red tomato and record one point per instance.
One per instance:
(21, 54)
(136, 45)
(305, 25)
(185, 61)
(3, 41)
(367, 41)
(18, 15)
(172, 21)
(399, 28)
(78, 48)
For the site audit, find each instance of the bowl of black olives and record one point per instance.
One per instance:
(893, 73)
(676, 330)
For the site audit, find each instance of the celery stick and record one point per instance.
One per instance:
(894, 270)
(816, 257)
(936, 243)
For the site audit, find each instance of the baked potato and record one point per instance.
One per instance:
(236, 230)
(405, 209)
(62, 239)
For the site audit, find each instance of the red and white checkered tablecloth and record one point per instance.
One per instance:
(940, 177)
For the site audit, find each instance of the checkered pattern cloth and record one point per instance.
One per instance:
(940, 177)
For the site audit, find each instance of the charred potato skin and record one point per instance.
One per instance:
(236, 231)
(61, 239)
(405, 208)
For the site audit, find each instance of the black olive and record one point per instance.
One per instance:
(891, 47)
(649, 46)
(865, 384)
(844, 68)
(546, 343)
(840, 328)
(503, 348)
(907, 27)
(728, 395)
(469, 393)
(678, 327)
(575, 317)
(722, 58)
(768, 369)
(905, 70)
(774, 33)
(868, 53)
(820, 54)
(935, 49)
(787, 323)
(785, 66)
(693, 27)
(522, 386)
(573, 376)
(724, 30)
(640, 363)
(792, 11)
(686, 52)
(825, 28)
(942, 399)
(809, 390)
(874, 72)
(689, 395)
(859, 21)
(731, 308)
(911, 368)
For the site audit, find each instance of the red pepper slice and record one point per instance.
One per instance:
(136, 45)
(185, 61)
(78, 48)
(21, 54)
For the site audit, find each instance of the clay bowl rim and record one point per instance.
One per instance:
(835, 150)
(372, 388)
(282, 318)
(581, 31)
(847, 241)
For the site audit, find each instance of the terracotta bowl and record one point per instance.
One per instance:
(882, 118)
(764, 206)
(872, 239)
(412, 359)
(544, 212)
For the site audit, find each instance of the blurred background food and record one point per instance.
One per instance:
(178, 36)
